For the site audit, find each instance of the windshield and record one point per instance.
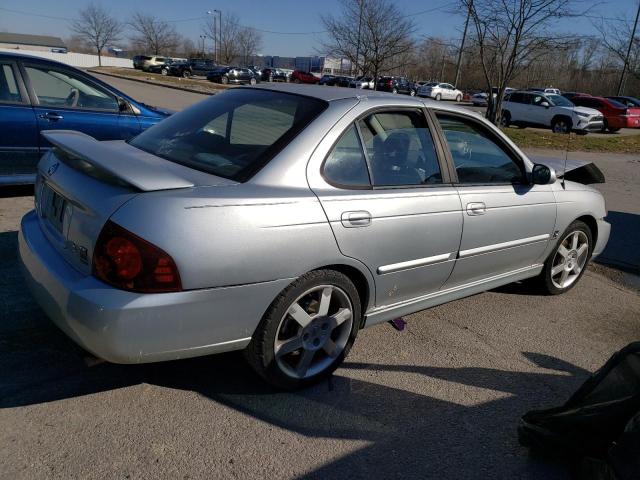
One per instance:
(616, 103)
(559, 100)
(232, 134)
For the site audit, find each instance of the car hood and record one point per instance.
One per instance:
(585, 110)
(580, 171)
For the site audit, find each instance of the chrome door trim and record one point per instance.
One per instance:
(502, 246)
(418, 262)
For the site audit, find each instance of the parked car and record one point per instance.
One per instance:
(555, 91)
(480, 99)
(201, 66)
(365, 83)
(570, 95)
(328, 80)
(274, 75)
(218, 205)
(161, 68)
(233, 75)
(630, 102)
(299, 76)
(179, 69)
(257, 71)
(440, 91)
(138, 61)
(396, 85)
(616, 115)
(152, 64)
(529, 108)
(37, 95)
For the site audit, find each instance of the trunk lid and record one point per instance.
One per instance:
(81, 183)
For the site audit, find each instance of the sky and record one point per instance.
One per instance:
(289, 21)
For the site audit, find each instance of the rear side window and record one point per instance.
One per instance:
(232, 134)
(477, 154)
(8, 87)
(346, 166)
(400, 149)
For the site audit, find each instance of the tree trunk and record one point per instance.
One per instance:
(99, 57)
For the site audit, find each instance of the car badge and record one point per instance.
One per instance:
(52, 169)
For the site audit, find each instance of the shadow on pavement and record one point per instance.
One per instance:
(408, 433)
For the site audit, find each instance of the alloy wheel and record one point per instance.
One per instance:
(561, 126)
(570, 259)
(314, 331)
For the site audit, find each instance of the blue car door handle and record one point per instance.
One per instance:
(51, 116)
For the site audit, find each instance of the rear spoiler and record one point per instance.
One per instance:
(573, 170)
(144, 173)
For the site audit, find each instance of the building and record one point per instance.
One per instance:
(313, 64)
(39, 43)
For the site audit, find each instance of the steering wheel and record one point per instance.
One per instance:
(72, 98)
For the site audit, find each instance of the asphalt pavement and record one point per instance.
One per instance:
(440, 399)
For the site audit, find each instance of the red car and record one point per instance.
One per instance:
(298, 76)
(616, 115)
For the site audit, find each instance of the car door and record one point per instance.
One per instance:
(507, 221)
(390, 203)
(448, 92)
(19, 152)
(66, 100)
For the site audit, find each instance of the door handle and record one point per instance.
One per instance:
(360, 218)
(476, 208)
(51, 116)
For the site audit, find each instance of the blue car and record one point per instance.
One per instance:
(38, 94)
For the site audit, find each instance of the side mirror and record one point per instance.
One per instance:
(543, 175)
(544, 104)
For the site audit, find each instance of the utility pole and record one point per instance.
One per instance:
(360, 2)
(626, 60)
(442, 69)
(464, 38)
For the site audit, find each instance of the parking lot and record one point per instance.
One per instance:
(440, 399)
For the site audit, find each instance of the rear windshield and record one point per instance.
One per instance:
(232, 134)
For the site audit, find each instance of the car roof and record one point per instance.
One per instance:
(330, 94)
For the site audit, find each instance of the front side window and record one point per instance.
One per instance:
(539, 99)
(400, 149)
(56, 88)
(346, 165)
(477, 156)
(232, 134)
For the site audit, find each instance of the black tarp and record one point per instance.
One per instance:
(599, 426)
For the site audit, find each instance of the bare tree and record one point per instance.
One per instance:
(616, 37)
(249, 42)
(510, 36)
(153, 35)
(96, 27)
(373, 34)
(225, 36)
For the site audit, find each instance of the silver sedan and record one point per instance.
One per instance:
(281, 220)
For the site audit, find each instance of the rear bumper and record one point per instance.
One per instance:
(126, 327)
(604, 230)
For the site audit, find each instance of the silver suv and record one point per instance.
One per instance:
(551, 111)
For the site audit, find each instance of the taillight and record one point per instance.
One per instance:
(389, 82)
(128, 262)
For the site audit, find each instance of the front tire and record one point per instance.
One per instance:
(561, 125)
(569, 259)
(224, 80)
(459, 98)
(307, 331)
(252, 81)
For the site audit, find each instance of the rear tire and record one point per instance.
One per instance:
(224, 80)
(438, 97)
(613, 130)
(186, 74)
(164, 72)
(289, 355)
(568, 260)
(252, 81)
